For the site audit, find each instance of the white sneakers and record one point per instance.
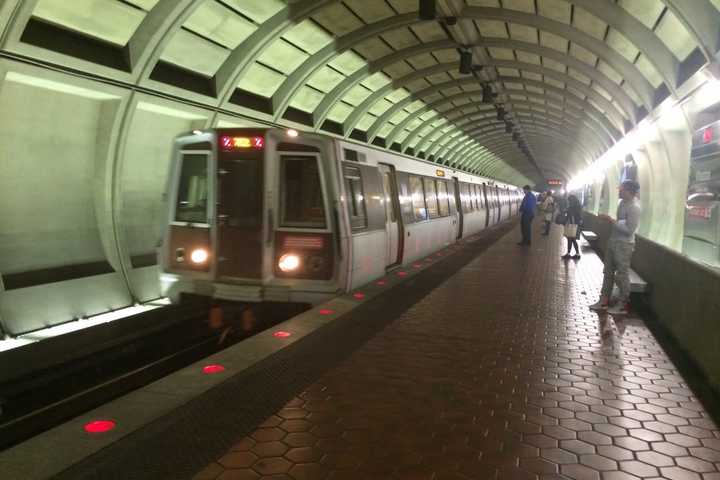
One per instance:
(621, 308)
(600, 305)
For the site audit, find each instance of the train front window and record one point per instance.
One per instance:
(191, 204)
(301, 192)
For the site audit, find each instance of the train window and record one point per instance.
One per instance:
(477, 204)
(356, 198)
(443, 202)
(431, 197)
(465, 197)
(405, 198)
(387, 186)
(301, 192)
(191, 206)
(418, 198)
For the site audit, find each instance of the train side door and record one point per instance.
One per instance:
(488, 205)
(458, 204)
(393, 223)
(239, 214)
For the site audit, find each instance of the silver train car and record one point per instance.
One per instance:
(275, 215)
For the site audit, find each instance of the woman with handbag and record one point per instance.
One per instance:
(572, 226)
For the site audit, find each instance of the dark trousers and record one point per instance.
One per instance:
(526, 229)
(572, 242)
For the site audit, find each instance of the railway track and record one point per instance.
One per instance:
(49, 382)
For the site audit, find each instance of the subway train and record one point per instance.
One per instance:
(272, 215)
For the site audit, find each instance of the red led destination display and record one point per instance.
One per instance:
(228, 143)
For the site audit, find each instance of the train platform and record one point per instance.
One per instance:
(485, 365)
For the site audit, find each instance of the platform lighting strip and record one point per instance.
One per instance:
(636, 138)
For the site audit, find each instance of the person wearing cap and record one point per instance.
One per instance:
(527, 213)
(619, 250)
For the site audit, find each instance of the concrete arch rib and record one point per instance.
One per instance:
(644, 89)
(558, 134)
(569, 97)
(579, 114)
(593, 145)
(337, 93)
(493, 138)
(628, 106)
(702, 20)
(154, 32)
(627, 69)
(639, 35)
(282, 97)
(245, 54)
(599, 115)
(599, 144)
(360, 110)
(594, 141)
(611, 110)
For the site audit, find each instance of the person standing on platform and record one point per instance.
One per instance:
(548, 208)
(572, 227)
(527, 213)
(619, 250)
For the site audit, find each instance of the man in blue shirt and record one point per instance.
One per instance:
(527, 213)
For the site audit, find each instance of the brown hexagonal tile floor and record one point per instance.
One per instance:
(500, 373)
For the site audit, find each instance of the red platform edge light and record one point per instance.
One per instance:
(359, 295)
(214, 368)
(281, 334)
(402, 274)
(380, 282)
(99, 426)
(417, 265)
(326, 311)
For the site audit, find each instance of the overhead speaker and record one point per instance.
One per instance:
(427, 9)
(465, 62)
(487, 94)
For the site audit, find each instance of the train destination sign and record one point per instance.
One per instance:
(241, 143)
(554, 181)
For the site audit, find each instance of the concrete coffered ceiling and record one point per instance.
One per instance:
(573, 75)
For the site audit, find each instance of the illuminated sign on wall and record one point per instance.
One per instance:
(708, 135)
(440, 173)
(554, 181)
(241, 143)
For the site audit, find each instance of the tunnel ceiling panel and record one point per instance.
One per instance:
(373, 70)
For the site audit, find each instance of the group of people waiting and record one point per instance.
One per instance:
(565, 211)
(621, 243)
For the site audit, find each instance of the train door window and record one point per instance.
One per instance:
(356, 198)
(418, 198)
(406, 206)
(465, 197)
(442, 195)
(431, 197)
(301, 192)
(387, 186)
(475, 197)
(191, 203)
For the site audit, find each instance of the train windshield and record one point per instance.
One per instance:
(191, 204)
(301, 192)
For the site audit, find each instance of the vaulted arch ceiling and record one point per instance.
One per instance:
(573, 75)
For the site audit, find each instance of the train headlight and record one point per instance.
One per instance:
(199, 256)
(289, 262)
